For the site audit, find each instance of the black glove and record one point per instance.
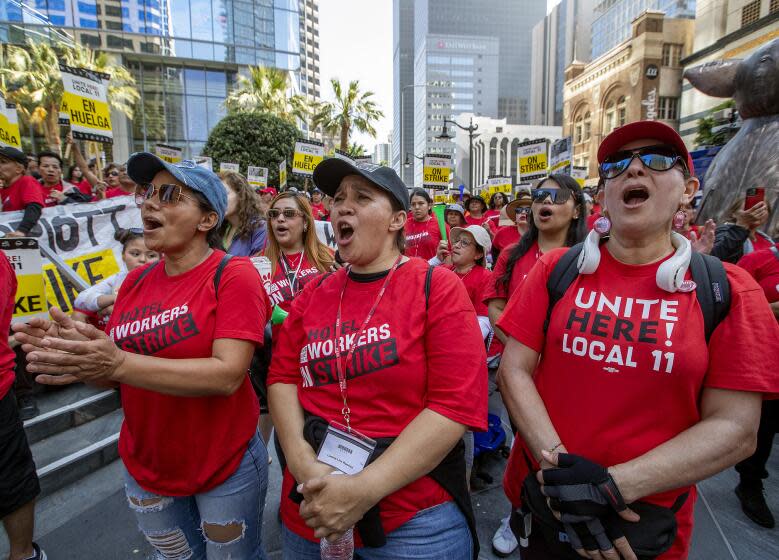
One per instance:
(590, 536)
(582, 488)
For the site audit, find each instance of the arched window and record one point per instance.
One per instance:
(587, 126)
(609, 118)
(622, 112)
(493, 165)
(578, 130)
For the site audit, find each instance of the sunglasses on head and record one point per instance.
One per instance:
(289, 213)
(169, 193)
(558, 196)
(656, 158)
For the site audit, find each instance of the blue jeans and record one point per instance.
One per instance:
(225, 522)
(437, 533)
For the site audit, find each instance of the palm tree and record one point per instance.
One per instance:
(351, 108)
(265, 89)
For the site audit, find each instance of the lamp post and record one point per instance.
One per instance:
(470, 129)
(402, 125)
(407, 162)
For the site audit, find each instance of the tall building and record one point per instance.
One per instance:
(611, 23)
(310, 85)
(561, 38)
(382, 152)
(402, 86)
(421, 25)
(184, 55)
(724, 29)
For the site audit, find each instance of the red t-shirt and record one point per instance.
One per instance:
(607, 373)
(422, 238)
(48, 198)
(404, 362)
(84, 187)
(114, 192)
(22, 192)
(761, 242)
(521, 269)
(763, 265)
(319, 211)
(506, 235)
(476, 221)
(8, 295)
(180, 446)
(476, 281)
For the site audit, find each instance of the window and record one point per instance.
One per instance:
(609, 121)
(750, 13)
(773, 6)
(577, 130)
(669, 108)
(622, 113)
(587, 126)
(671, 55)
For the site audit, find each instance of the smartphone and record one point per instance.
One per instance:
(754, 195)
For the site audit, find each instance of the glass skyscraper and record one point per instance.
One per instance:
(184, 54)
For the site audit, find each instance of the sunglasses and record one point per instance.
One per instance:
(169, 193)
(523, 210)
(289, 213)
(558, 196)
(656, 158)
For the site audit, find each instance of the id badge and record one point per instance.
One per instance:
(344, 449)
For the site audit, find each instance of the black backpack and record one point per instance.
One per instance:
(712, 291)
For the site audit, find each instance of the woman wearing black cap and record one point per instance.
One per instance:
(368, 350)
(179, 343)
(20, 191)
(642, 380)
(477, 211)
(422, 231)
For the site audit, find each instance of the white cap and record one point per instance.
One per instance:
(479, 234)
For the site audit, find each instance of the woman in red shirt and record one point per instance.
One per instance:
(616, 394)
(368, 350)
(179, 343)
(518, 213)
(477, 209)
(497, 202)
(422, 231)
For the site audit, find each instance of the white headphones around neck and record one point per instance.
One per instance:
(670, 274)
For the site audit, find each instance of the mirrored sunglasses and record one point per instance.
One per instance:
(656, 158)
(168, 193)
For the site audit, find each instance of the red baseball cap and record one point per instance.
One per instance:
(269, 190)
(640, 130)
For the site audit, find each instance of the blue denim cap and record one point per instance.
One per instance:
(143, 166)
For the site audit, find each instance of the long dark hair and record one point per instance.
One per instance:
(250, 213)
(577, 229)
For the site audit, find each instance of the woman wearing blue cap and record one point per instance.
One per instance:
(179, 344)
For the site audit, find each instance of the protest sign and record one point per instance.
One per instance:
(560, 156)
(257, 176)
(205, 162)
(9, 125)
(499, 184)
(524, 188)
(308, 154)
(282, 174)
(436, 171)
(85, 100)
(340, 154)
(580, 174)
(169, 154)
(25, 259)
(225, 166)
(532, 160)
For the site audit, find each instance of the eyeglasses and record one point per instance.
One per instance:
(169, 193)
(523, 210)
(656, 158)
(289, 213)
(114, 173)
(558, 196)
(462, 242)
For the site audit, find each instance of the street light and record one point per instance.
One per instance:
(402, 125)
(407, 163)
(470, 130)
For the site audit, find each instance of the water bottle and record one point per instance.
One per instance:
(342, 549)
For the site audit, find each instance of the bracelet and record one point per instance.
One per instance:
(555, 447)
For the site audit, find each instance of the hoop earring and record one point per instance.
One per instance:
(679, 219)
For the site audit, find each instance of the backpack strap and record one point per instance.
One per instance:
(560, 279)
(712, 291)
(775, 251)
(220, 268)
(144, 272)
(428, 282)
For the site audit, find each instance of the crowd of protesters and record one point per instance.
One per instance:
(580, 303)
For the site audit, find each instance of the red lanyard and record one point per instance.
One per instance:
(341, 369)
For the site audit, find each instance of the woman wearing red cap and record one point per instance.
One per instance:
(637, 382)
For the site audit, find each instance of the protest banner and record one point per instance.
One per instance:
(282, 174)
(205, 162)
(85, 100)
(499, 184)
(340, 154)
(169, 154)
(580, 174)
(523, 188)
(363, 159)
(560, 156)
(25, 259)
(532, 160)
(9, 125)
(257, 176)
(308, 154)
(436, 170)
(225, 166)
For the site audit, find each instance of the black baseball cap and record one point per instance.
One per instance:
(329, 174)
(13, 154)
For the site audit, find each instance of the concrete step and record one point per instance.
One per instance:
(60, 412)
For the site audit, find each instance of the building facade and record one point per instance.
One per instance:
(402, 86)
(640, 79)
(382, 152)
(724, 29)
(561, 38)
(184, 55)
(310, 84)
(612, 19)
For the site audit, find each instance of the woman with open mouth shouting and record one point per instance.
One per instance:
(364, 372)
(631, 370)
(423, 235)
(179, 343)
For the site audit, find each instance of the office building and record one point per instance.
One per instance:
(612, 19)
(561, 38)
(382, 152)
(724, 29)
(184, 55)
(402, 86)
(310, 84)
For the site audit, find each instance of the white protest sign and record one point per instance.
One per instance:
(257, 176)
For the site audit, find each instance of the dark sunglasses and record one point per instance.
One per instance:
(656, 158)
(289, 213)
(523, 210)
(169, 193)
(113, 173)
(558, 196)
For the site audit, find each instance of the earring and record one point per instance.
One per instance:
(679, 219)
(602, 225)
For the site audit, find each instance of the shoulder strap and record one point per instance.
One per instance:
(428, 282)
(560, 279)
(775, 251)
(712, 291)
(219, 270)
(144, 272)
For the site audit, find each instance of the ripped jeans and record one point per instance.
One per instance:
(225, 522)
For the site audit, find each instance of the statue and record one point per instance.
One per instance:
(751, 158)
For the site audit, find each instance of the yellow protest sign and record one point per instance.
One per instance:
(532, 160)
(436, 170)
(308, 154)
(92, 267)
(9, 125)
(283, 174)
(580, 174)
(85, 101)
(169, 154)
(498, 184)
(25, 259)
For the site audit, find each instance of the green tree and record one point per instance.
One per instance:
(352, 109)
(705, 136)
(261, 139)
(265, 89)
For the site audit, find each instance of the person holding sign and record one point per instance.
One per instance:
(365, 367)
(244, 231)
(179, 343)
(423, 233)
(20, 191)
(636, 376)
